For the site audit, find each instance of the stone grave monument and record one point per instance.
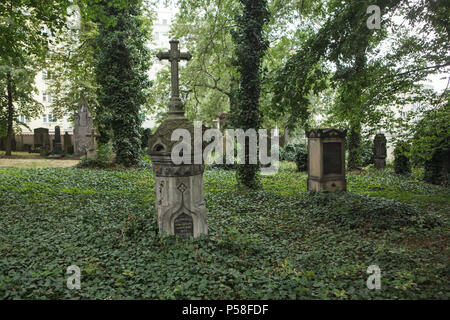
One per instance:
(41, 140)
(180, 204)
(90, 153)
(68, 146)
(57, 145)
(326, 160)
(82, 128)
(379, 151)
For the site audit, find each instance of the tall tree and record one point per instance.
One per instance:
(25, 29)
(345, 53)
(72, 64)
(123, 60)
(250, 46)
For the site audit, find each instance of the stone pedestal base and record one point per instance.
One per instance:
(380, 163)
(57, 147)
(332, 184)
(180, 204)
(91, 153)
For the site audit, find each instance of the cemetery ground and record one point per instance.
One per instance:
(34, 160)
(280, 242)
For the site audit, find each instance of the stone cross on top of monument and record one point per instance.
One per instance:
(174, 56)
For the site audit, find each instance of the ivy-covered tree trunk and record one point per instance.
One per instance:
(10, 118)
(121, 71)
(250, 48)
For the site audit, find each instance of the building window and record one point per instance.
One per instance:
(24, 119)
(48, 97)
(48, 75)
(165, 34)
(156, 35)
(49, 118)
(164, 21)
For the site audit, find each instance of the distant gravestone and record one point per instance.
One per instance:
(379, 151)
(42, 140)
(82, 129)
(57, 145)
(68, 147)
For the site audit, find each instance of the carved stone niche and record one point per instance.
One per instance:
(326, 160)
(180, 204)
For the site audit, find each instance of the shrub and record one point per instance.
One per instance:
(102, 159)
(289, 152)
(367, 152)
(431, 145)
(301, 158)
(402, 164)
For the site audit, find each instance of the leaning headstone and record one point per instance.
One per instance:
(57, 145)
(180, 204)
(379, 151)
(82, 129)
(326, 160)
(68, 147)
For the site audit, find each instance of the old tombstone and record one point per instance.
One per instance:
(326, 160)
(180, 204)
(41, 141)
(91, 152)
(57, 145)
(82, 129)
(68, 146)
(379, 151)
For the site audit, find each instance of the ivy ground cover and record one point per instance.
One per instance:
(280, 242)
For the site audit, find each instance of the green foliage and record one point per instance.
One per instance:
(25, 29)
(121, 72)
(250, 46)
(279, 242)
(103, 158)
(146, 133)
(73, 65)
(301, 158)
(367, 152)
(352, 211)
(431, 144)
(402, 164)
(289, 151)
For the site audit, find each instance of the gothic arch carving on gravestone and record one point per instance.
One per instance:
(188, 220)
(158, 146)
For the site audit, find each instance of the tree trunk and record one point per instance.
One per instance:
(10, 130)
(354, 144)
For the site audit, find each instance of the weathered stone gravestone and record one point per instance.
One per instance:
(326, 160)
(42, 140)
(57, 145)
(379, 151)
(68, 146)
(180, 204)
(92, 151)
(82, 129)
